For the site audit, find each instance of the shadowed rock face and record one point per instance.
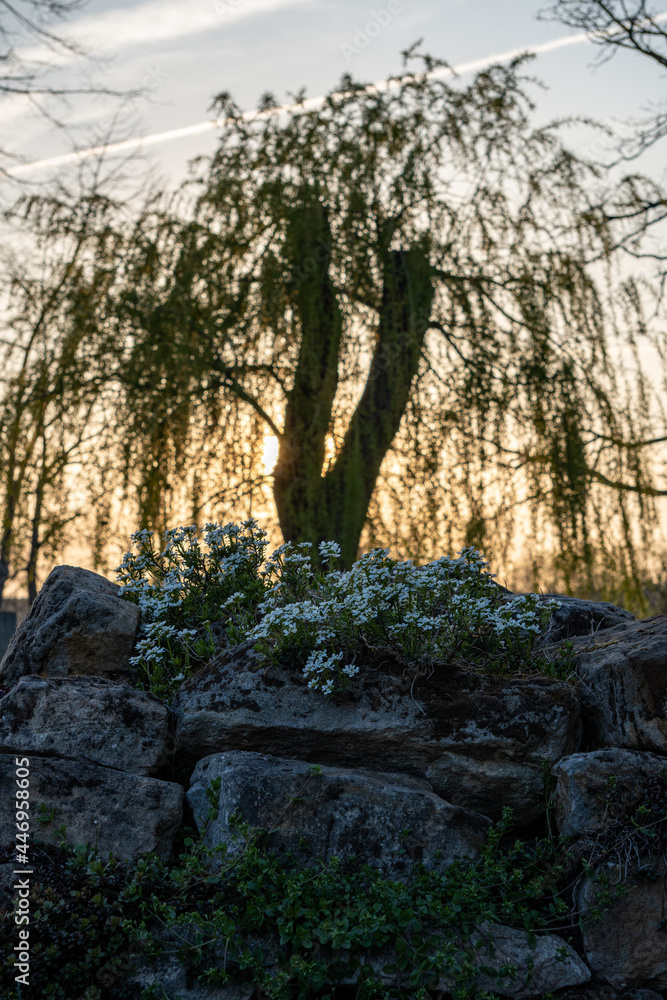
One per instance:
(479, 740)
(77, 625)
(577, 617)
(549, 965)
(545, 965)
(86, 718)
(594, 788)
(624, 685)
(385, 820)
(603, 991)
(167, 974)
(628, 947)
(595, 798)
(122, 813)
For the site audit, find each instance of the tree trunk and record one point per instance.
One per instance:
(31, 568)
(407, 296)
(298, 488)
(312, 507)
(6, 539)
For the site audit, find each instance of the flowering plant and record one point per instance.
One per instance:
(182, 589)
(314, 615)
(449, 608)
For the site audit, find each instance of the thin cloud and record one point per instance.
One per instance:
(313, 102)
(156, 21)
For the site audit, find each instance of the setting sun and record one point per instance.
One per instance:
(269, 454)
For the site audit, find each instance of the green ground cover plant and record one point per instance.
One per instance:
(299, 928)
(294, 930)
(298, 608)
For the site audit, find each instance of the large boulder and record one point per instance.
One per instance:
(479, 740)
(603, 991)
(116, 725)
(165, 975)
(384, 820)
(538, 967)
(594, 788)
(623, 672)
(547, 965)
(628, 946)
(78, 624)
(574, 616)
(122, 813)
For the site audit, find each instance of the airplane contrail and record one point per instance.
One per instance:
(307, 105)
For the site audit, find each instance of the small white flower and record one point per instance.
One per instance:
(329, 550)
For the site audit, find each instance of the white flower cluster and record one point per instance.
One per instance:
(319, 617)
(450, 607)
(174, 587)
(320, 669)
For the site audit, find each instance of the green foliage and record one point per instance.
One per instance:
(296, 927)
(182, 589)
(306, 613)
(295, 930)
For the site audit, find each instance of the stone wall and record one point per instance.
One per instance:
(403, 775)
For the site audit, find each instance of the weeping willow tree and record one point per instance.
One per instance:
(633, 25)
(55, 376)
(407, 286)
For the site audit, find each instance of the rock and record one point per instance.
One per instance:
(337, 812)
(603, 991)
(628, 947)
(167, 975)
(551, 965)
(170, 979)
(577, 617)
(479, 740)
(77, 625)
(116, 725)
(122, 813)
(592, 788)
(623, 671)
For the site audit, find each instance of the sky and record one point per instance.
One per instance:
(183, 53)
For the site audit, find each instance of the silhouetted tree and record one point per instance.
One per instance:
(407, 275)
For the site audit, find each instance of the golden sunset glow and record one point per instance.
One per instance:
(269, 454)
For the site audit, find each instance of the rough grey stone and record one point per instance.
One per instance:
(87, 718)
(550, 965)
(122, 813)
(337, 812)
(628, 947)
(575, 616)
(173, 981)
(170, 977)
(479, 740)
(623, 673)
(593, 788)
(77, 625)
(604, 991)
